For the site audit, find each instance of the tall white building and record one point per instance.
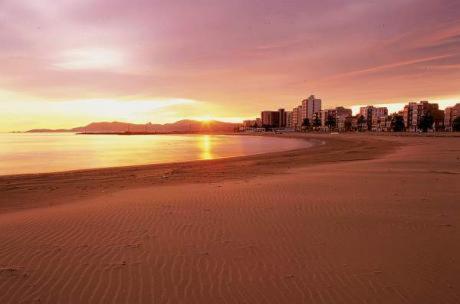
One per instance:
(309, 107)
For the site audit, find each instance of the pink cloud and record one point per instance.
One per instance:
(235, 53)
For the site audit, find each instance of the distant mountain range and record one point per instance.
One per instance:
(182, 126)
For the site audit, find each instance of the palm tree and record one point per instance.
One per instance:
(361, 122)
(456, 124)
(316, 122)
(397, 123)
(347, 124)
(331, 122)
(305, 124)
(426, 122)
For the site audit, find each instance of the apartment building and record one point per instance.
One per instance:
(413, 113)
(273, 119)
(339, 116)
(374, 117)
(270, 118)
(309, 107)
(289, 123)
(296, 117)
(450, 114)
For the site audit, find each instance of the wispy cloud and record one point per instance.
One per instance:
(376, 69)
(240, 56)
(89, 59)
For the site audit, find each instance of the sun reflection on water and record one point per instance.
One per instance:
(53, 152)
(205, 145)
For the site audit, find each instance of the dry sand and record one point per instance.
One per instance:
(358, 220)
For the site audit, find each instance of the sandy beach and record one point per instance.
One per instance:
(354, 219)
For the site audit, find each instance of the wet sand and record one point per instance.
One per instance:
(360, 219)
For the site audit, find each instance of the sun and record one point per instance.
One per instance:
(205, 119)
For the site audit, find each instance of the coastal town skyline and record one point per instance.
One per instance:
(311, 115)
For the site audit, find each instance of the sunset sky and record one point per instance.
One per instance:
(67, 63)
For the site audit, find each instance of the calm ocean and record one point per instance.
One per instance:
(50, 152)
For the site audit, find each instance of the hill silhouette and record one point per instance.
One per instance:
(181, 126)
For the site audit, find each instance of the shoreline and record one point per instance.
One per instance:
(134, 166)
(357, 220)
(48, 189)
